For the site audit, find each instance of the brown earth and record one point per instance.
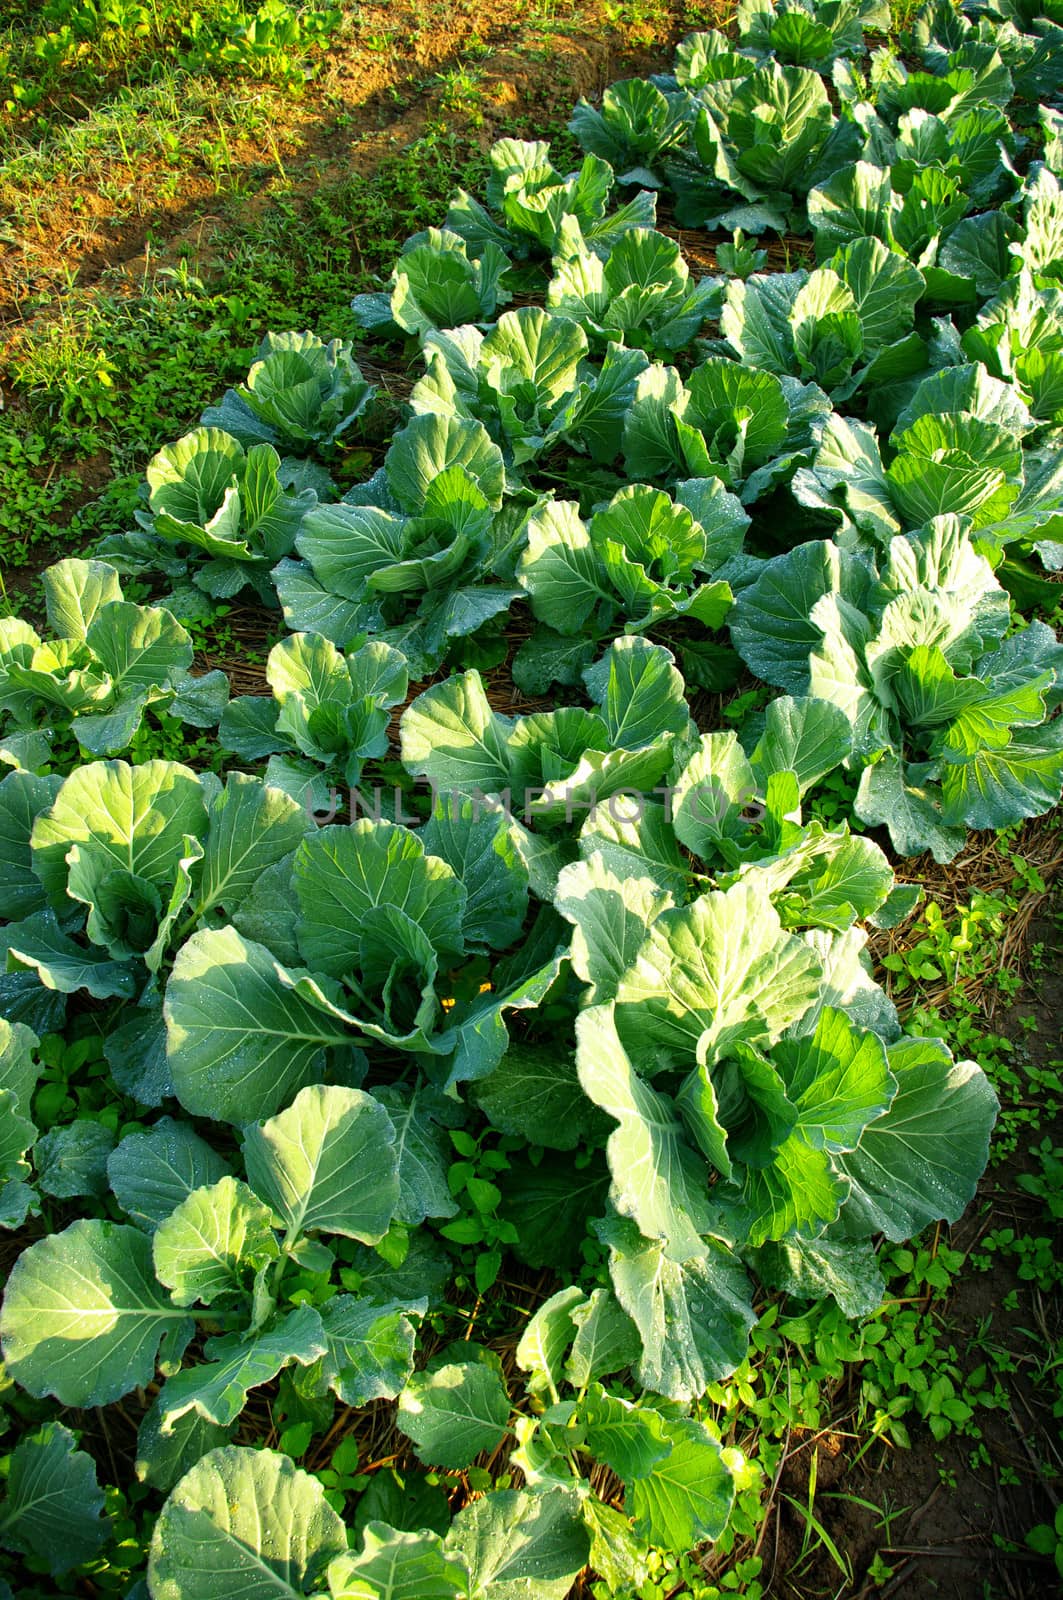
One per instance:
(370, 98)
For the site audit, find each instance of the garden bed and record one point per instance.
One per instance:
(570, 1177)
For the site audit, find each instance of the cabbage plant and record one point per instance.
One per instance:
(550, 767)
(951, 719)
(106, 662)
(759, 142)
(746, 428)
(743, 130)
(956, 450)
(414, 554)
(642, 295)
(773, 128)
(328, 713)
(848, 326)
(533, 210)
(218, 518)
(123, 874)
(806, 32)
(202, 1245)
(710, 57)
(436, 283)
(641, 561)
(758, 1129)
(636, 125)
(766, 1104)
(300, 394)
(1018, 338)
(606, 996)
(912, 209)
(532, 383)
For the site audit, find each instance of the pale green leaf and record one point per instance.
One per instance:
(370, 1347)
(693, 1317)
(213, 1242)
(165, 1454)
(838, 1079)
(995, 788)
(54, 1506)
(797, 1192)
(641, 844)
(711, 793)
(606, 1339)
(429, 445)
(451, 735)
(218, 1388)
(721, 966)
(22, 799)
(548, 1334)
(420, 1117)
(135, 817)
(327, 1164)
(535, 1091)
(479, 848)
(813, 1268)
(618, 1558)
(639, 691)
(342, 874)
(152, 1173)
(686, 1497)
(659, 1179)
(74, 591)
(397, 1566)
(806, 736)
(519, 1546)
(920, 1162)
(83, 1315)
(628, 1438)
(610, 917)
(241, 1041)
(245, 1523)
(913, 814)
(62, 965)
(251, 828)
(139, 647)
(71, 1160)
(561, 568)
(454, 1412)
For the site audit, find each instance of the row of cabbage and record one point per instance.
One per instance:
(615, 959)
(554, 455)
(326, 1012)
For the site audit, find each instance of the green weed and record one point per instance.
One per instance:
(70, 46)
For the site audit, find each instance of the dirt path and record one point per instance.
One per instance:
(82, 206)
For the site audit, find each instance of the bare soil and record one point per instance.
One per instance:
(370, 99)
